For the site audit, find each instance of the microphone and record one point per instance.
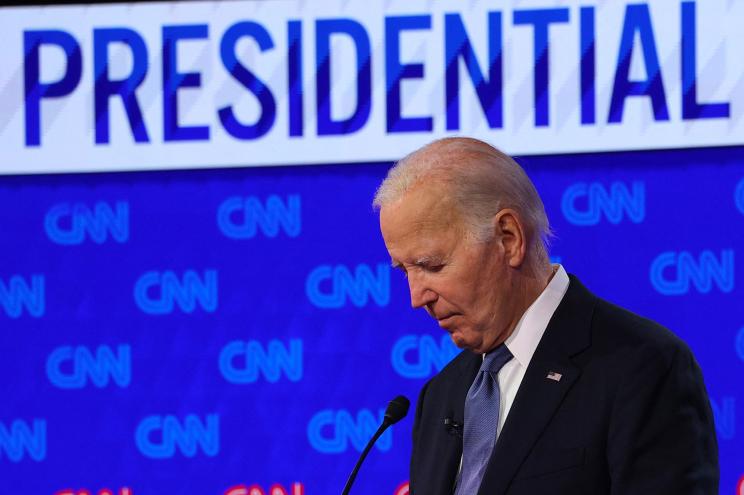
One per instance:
(453, 427)
(396, 410)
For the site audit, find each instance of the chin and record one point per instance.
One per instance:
(458, 341)
(463, 343)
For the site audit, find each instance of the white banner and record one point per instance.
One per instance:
(149, 86)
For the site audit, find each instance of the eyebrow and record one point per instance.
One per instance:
(425, 260)
(422, 261)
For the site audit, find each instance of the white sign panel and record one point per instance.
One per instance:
(213, 84)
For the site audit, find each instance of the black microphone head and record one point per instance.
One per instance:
(397, 409)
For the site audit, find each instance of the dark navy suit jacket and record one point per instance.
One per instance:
(629, 416)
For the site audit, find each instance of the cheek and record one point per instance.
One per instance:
(472, 299)
(487, 298)
(470, 285)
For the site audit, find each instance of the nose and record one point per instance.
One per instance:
(421, 295)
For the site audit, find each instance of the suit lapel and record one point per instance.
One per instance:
(534, 405)
(538, 396)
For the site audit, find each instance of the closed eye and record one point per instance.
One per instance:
(430, 265)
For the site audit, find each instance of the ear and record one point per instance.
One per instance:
(511, 235)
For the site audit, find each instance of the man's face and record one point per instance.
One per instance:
(462, 283)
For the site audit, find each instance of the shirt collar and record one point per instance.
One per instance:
(529, 330)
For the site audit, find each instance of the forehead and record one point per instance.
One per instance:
(422, 214)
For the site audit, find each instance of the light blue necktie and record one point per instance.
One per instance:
(481, 421)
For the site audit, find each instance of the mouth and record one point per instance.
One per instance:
(446, 320)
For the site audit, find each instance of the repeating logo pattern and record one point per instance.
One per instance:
(246, 362)
(22, 439)
(159, 293)
(76, 367)
(688, 271)
(333, 432)
(71, 224)
(243, 218)
(162, 437)
(588, 204)
(334, 286)
(19, 295)
(243, 329)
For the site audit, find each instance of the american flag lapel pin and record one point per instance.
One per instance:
(554, 376)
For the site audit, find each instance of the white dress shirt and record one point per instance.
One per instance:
(524, 339)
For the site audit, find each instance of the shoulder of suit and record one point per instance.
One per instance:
(620, 330)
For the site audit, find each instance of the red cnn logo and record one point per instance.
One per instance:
(102, 491)
(275, 489)
(402, 489)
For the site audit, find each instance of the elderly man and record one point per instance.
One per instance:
(561, 392)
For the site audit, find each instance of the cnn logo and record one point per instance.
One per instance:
(102, 491)
(275, 489)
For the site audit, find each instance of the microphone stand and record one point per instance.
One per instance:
(396, 410)
(366, 450)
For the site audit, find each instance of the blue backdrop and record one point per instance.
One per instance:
(240, 331)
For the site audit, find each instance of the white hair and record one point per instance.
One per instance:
(481, 179)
